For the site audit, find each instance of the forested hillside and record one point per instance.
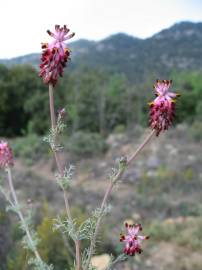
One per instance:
(95, 100)
(178, 47)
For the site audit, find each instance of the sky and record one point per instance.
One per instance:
(23, 23)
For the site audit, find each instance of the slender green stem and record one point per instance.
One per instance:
(56, 154)
(16, 203)
(108, 192)
(61, 172)
(53, 126)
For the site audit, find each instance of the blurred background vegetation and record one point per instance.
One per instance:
(96, 101)
(107, 115)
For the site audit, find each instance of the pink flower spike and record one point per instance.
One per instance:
(132, 240)
(55, 55)
(6, 156)
(162, 109)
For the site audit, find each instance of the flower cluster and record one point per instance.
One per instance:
(6, 156)
(132, 240)
(55, 55)
(162, 109)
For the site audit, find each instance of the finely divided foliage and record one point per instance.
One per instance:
(54, 58)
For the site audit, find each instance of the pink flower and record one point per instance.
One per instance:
(132, 240)
(55, 55)
(6, 156)
(62, 113)
(162, 109)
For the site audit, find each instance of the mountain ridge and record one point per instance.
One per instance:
(177, 47)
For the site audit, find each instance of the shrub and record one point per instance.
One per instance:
(195, 131)
(29, 148)
(181, 231)
(82, 143)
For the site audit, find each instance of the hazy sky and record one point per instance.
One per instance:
(24, 22)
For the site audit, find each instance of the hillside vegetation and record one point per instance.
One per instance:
(178, 48)
(106, 91)
(162, 190)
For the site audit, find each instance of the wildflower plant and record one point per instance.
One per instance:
(55, 56)
(30, 240)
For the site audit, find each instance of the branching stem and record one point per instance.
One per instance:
(108, 192)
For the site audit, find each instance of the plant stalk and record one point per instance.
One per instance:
(16, 203)
(108, 192)
(61, 172)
